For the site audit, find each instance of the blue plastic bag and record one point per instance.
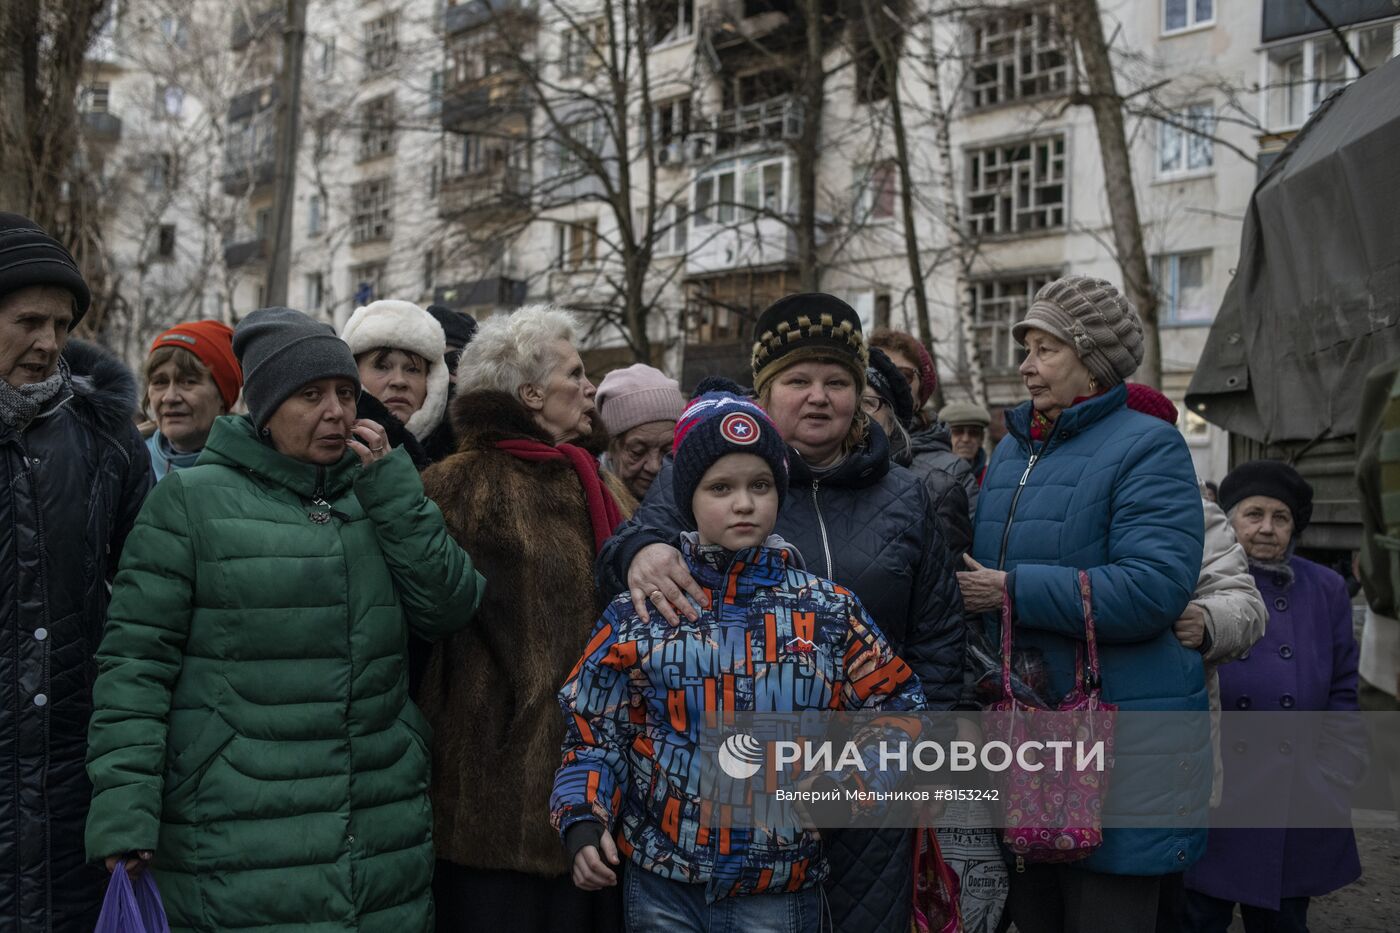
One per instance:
(132, 907)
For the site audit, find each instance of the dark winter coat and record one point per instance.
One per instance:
(252, 722)
(490, 691)
(70, 487)
(1113, 492)
(949, 480)
(1306, 661)
(870, 527)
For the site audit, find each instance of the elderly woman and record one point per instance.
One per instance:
(639, 406)
(533, 509)
(252, 740)
(1306, 661)
(1083, 483)
(192, 377)
(400, 352)
(857, 519)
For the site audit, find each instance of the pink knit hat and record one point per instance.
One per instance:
(636, 395)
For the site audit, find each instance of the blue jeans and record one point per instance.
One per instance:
(653, 904)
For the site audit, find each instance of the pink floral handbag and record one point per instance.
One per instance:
(1054, 815)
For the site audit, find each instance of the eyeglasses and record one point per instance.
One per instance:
(871, 403)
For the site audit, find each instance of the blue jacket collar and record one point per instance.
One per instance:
(1071, 420)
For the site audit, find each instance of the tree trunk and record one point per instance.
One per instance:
(279, 266)
(809, 146)
(1084, 23)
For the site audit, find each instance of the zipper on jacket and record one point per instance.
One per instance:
(1011, 515)
(821, 523)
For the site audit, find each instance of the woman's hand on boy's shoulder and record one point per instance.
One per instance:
(591, 871)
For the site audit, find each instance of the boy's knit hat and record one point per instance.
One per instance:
(720, 423)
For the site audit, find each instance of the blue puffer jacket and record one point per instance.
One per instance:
(1111, 491)
(869, 526)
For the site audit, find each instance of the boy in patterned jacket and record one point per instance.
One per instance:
(770, 638)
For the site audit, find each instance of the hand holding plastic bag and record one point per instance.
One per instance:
(132, 906)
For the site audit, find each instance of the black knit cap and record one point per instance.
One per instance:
(884, 377)
(29, 256)
(808, 326)
(1272, 478)
(458, 326)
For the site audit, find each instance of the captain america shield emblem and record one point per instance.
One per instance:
(739, 428)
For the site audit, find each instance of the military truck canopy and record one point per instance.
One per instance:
(1315, 301)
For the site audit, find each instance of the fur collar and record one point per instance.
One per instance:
(103, 383)
(486, 416)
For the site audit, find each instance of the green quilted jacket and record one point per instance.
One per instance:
(251, 717)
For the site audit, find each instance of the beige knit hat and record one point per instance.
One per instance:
(1092, 316)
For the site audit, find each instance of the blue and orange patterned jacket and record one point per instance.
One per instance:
(770, 638)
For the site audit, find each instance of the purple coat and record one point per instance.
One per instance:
(1305, 661)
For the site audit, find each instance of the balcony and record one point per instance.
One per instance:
(243, 177)
(102, 127)
(759, 243)
(262, 23)
(736, 25)
(497, 292)
(766, 122)
(502, 189)
(464, 17)
(263, 97)
(485, 100)
(242, 252)
(1285, 19)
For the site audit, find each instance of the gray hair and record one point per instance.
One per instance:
(511, 350)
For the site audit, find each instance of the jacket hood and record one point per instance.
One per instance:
(484, 417)
(234, 442)
(864, 466)
(104, 383)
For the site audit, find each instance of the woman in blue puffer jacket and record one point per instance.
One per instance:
(1083, 483)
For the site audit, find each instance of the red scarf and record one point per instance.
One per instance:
(603, 512)
(1041, 426)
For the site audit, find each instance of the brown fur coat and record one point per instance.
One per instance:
(490, 690)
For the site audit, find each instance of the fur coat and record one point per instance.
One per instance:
(490, 691)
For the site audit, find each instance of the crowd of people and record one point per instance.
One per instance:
(411, 626)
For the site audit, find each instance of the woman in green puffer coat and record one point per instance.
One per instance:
(252, 740)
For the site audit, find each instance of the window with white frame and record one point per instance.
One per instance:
(1185, 142)
(670, 233)
(327, 56)
(1298, 76)
(315, 221)
(1183, 286)
(98, 97)
(367, 282)
(170, 101)
(381, 42)
(435, 93)
(371, 211)
(1016, 55)
(315, 292)
(669, 20)
(1017, 188)
(878, 186)
(576, 244)
(175, 30)
(160, 172)
(376, 128)
(670, 122)
(583, 136)
(741, 192)
(584, 48)
(998, 304)
(1186, 14)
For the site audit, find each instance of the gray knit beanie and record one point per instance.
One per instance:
(282, 350)
(1092, 316)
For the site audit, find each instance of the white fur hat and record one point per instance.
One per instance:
(402, 325)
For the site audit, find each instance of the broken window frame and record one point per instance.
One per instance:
(1008, 185)
(371, 210)
(1002, 45)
